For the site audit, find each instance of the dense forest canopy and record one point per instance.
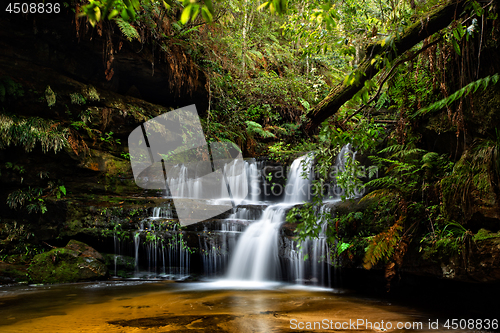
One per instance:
(410, 84)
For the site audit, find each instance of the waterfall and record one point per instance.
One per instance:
(243, 178)
(215, 250)
(250, 244)
(163, 212)
(297, 189)
(256, 257)
(317, 252)
(253, 173)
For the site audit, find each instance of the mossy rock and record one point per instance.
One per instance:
(63, 265)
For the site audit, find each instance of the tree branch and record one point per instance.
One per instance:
(434, 21)
(399, 62)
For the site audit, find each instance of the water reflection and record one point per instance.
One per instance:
(220, 306)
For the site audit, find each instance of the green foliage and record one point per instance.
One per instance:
(475, 175)
(30, 198)
(445, 242)
(408, 168)
(15, 167)
(77, 98)
(484, 234)
(471, 88)
(108, 138)
(193, 8)
(96, 10)
(91, 94)
(28, 132)
(127, 29)
(255, 128)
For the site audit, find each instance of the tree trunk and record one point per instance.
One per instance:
(431, 23)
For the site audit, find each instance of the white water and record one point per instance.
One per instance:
(260, 253)
(243, 178)
(256, 257)
(297, 189)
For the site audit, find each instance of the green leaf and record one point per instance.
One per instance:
(186, 14)
(62, 188)
(264, 5)
(113, 13)
(206, 14)
(456, 47)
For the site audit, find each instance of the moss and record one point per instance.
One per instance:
(90, 93)
(78, 99)
(50, 96)
(63, 265)
(442, 249)
(483, 234)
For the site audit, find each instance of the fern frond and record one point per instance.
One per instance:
(127, 29)
(468, 89)
(384, 182)
(255, 128)
(392, 149)
(27, 132)
(383, 245)
(405, 153)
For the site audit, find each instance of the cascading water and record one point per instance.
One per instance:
(316, 249)
(256, 255)
(163, 212)
(183, 185)
(249, 244)
(164, 253)
(317, 252)
(216, 244)
(297, 189)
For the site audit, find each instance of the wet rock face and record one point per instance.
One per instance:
(73, 263)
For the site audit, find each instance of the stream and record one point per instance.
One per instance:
(252, 278)
(139, 306)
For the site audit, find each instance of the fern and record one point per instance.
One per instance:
(27, 132)
(468, 89)
(383, 245)
(255, 128)
(127, 29)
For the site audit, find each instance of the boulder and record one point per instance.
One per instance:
(74, 263)
(84, 250)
